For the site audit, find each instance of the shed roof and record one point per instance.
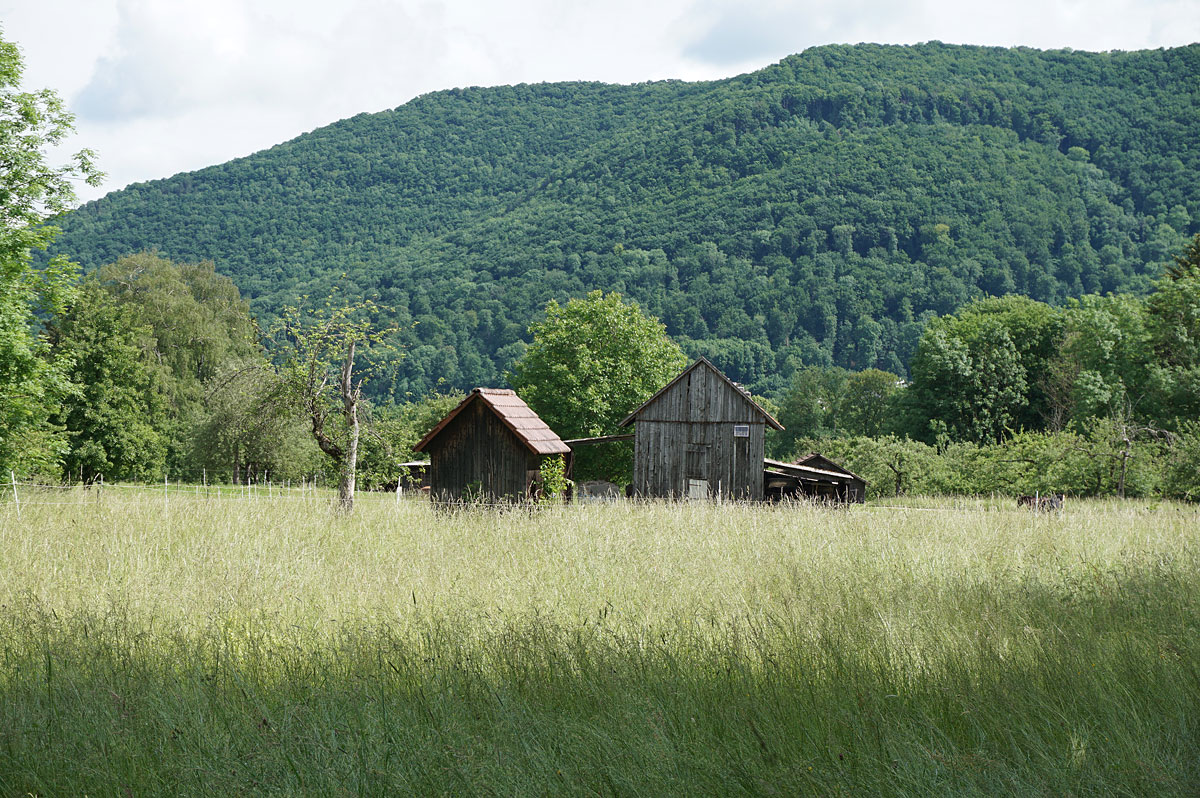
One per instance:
(792, 469)
(818, 460)
(516, 415)
(703, 361)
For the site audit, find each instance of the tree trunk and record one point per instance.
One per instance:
(1124, 467)
(350, 396)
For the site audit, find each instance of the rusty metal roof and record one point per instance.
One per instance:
(516, 415)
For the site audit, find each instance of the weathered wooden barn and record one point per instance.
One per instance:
(700, 436)
(489, 448)
(813, 476)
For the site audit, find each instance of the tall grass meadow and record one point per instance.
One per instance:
(176, 642)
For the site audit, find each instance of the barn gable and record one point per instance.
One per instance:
(512, 411)
(700, 436)
(490, 446)
(701, 393)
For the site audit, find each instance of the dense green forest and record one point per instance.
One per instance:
(818, 212)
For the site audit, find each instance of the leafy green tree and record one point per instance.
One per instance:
(32, 380)
(867, 402)
(194, 325)
(197, 317)
(245, 434)
(972, 388)
(1102, 361)
(1182, 478)
(590, 363)
(1174, 330)
(809, 408)
(116, 419)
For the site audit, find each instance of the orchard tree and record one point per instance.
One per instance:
(245, 432)
(319, 350)
(32, 382)
(592, 362)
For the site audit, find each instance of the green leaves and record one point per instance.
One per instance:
(33, 381)
(812, 213)
(591, 363)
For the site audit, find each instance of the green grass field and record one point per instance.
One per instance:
(260, 645)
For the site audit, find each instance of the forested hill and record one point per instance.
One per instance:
(815, 211)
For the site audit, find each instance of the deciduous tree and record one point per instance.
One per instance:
(591, 362)
(319, 348)
(32, 382)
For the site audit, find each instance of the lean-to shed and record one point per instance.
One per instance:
(488, 448)
(700, 436)
(813, 476)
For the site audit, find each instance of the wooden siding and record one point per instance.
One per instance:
(668, 454)
(702, 395)
(476, 449)
(686, 434)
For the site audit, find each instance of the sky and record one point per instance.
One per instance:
(160, 87)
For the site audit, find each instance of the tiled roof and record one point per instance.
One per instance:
(516, 415)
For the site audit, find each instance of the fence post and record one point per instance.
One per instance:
(16, 499)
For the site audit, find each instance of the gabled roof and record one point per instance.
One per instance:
(818, 460)
(703, 361)
(516, 415)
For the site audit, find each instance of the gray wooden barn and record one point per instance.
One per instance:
(488, 448)
(700, 436)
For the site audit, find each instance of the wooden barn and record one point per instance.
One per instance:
(700, 436)
(813, 476)
(489, 448)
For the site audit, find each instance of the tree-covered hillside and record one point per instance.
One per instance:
(814, 212)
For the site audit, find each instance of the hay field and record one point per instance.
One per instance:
(177, 643)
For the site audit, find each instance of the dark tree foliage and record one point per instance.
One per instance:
(816, 212)
(117, 417)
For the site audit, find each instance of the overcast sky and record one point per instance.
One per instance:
(166, 86)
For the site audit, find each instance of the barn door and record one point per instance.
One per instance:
(696, 471)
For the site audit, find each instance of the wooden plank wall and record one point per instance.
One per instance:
(476, 447)
(687, 433)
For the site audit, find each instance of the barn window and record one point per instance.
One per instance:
(741, 430)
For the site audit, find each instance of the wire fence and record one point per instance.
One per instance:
(23, 493)
(19, 494)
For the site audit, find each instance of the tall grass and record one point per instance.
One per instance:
(251, 645)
